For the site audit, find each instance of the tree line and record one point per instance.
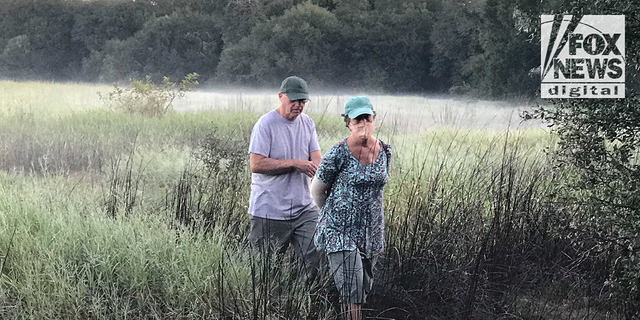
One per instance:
(478, 47)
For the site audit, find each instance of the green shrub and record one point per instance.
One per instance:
(147, 98)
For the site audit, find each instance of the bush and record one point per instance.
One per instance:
(600, 140)
(145, 98)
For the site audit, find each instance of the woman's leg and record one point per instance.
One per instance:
(347, 270)
(352, 311)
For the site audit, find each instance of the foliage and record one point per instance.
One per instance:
(378, 49)
(480, 48)
(175, 45)
(15, 58)
(52, 53)
(509, 52)
(298, 42)
(240, 17)
(600, 138)
(455, 40)
(477, 223)
(147, 98)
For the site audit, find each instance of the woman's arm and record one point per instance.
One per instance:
(319, 192)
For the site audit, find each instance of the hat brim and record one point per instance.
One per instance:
(360, 111)
(297, 96)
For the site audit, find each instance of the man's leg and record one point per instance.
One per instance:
(268, 234)
(303, 234)
(269, 239)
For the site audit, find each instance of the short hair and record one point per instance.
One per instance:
(347, 119)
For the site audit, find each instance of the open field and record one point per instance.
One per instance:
(107, 215)
(407, 112)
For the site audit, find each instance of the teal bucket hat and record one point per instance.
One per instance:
(295, 88)
(356, 106)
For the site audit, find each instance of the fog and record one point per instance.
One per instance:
(412, 113)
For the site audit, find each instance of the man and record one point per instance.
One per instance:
(284, 155)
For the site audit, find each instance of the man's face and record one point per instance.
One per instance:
(291, 109)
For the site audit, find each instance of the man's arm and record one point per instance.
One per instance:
(261, 164)
(315, 157)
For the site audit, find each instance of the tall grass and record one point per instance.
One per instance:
(67, 259)
(111, 215)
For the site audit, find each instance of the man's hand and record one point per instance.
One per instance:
(264, 165)
(305, 166)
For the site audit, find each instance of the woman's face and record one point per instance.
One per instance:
(362, 126)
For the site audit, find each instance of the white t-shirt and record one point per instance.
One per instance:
(284, 196)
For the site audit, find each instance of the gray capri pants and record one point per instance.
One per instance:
(353, 274)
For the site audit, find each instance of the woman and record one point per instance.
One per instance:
(348, 189)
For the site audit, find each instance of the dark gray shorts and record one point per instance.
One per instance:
(353, 274)
(278, 234)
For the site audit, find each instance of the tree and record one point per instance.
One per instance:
(173, 45)
(241, 16)
(455, 40)
(14, 59)
(52, 53)
(600, 139)
(386, 50)
(99, 21)
(300, 42)
(509, 52)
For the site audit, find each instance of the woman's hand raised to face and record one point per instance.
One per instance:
(362, 127)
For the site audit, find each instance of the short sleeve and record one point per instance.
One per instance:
(260, 141)
(330, 165)
(313, 144)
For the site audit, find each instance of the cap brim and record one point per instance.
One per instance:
(360, 111)
(297, 96)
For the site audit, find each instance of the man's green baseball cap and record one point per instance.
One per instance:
(356, 106)
(295, 88)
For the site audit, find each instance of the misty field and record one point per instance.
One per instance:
(111, 215)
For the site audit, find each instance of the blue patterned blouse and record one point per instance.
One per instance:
(352, 215)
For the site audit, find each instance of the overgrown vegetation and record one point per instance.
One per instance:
(122, 215)
(600, 139)
(477, 226)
